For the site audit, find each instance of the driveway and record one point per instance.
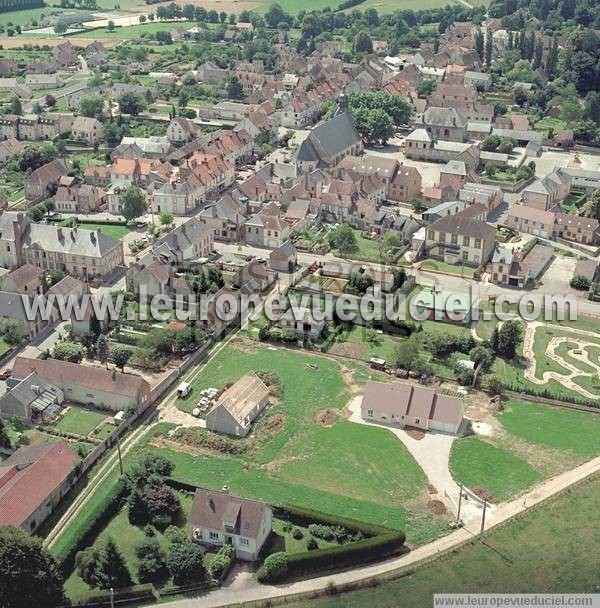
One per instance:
(557, 276)
(432, 454)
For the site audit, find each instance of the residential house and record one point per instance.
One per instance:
(486, 194)
(284, 258)
(306, 327)
(188, 242)
(30, 399)
(577, 228)
(32, 483)
(459, 239)
(87, 129)
(531, 220)
(43, 182)
(12, 226)
(12, 308)
(238, 406)
(267, 228)
(82, 253)
(44, 81)
(10, 147)
(443, 123)
(517, 268)
(547, 192)
(181, 130)
(408, 405)
(218, 519)
(26, 279)
(79, 198)
(226, 219)
(106, 389)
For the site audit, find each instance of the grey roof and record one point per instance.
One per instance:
(306, 152)
(443, 117)
(334, 135)
(455, 167)
(75, 241)
(419, 135)
(528, 136)
(35, 392)
(455, 224)
(7, 219)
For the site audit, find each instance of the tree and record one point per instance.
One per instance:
(102, 349)
(151, 560)
(580, 282)
(131, 103)
(162, 504)
(274, 568)
(488, 48)
(233, 88)
(92, 106)
(89, 565)
(15, 106)
(120, 355)
(110, 26)
(68, 351)
(276, 15)
(520, 96)
(343, 240)
(594, 204)
(29, 575)
(492, 384)
(491, 143)
(480, 44)
(60, 27)
(4, 438)
(426, 88)
(184, 562)
(115, 571)
(166, 218)
(482, 356)
(133, 203)
(592, 106)
(363, 42)
(508, 339)
(495, 339)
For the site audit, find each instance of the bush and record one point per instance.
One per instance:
(297, 534)
(274, 568)
(580, 282)
(185, 563)
(312, 544)
(175, 535)
(221, 562)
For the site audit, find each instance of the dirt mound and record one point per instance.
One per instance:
(275, 423)
(326, 417)
(483, 493)
(437, 507)
(417, 434)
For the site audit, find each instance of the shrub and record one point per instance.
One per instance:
(312, 544)
(580, 282)
(297, 534)
(185, 563)
(221, 561)
(175, 535)
(274, 568)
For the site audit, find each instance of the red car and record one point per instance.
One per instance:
(4, 375)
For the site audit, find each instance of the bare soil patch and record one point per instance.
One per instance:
(348, 349)
(415, 433)
(437, 507)
(483, 493)
(326, 417)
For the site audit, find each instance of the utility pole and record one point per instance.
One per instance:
(460, 495)
(112, 598)
(483, 520)
(119, 452)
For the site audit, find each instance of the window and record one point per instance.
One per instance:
(454, 239)
(369, 413)
(477, 243)
(466, 241)
(244, 541)
(213, 535)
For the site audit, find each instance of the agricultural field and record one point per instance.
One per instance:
(526, 555)
(301, 453)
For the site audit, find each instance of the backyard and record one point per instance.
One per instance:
(79, 421)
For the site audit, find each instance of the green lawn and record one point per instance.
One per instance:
(127, 537)
(353, 343)
(281, 540)
(573, 203)
(438, 266)
(103, 431)
(578, 432)
(4, 346)
(556, 124)
(80, 422)
(114, 231)
(547, 550)
(368, 249)
(475, 462)
(351, 470)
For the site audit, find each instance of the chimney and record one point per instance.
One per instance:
(60, 234)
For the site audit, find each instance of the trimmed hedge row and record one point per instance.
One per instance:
(380, 543)
(90, 526)
(125, 594)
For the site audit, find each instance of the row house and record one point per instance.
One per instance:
(187, 243)
(420, 145)
(301, 111)
(234, 146)
(80, 198)
(33, 127)
(44, 181)
(443, 123)
(213, 171)
(181, 195)
(225, 218)
(547, 192)
(267, 228)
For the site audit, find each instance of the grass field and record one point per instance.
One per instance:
(547, 123)
(546, 551)
(353, 343)
(368, 249)
(578, 432)
(135, 31)
(475, 462)
(80, 422)
(352, 470)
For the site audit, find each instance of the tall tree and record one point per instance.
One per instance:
(480, 44)
(133, 203)
(102, 349)
(488, 48)
(116, 573)
(29, 575)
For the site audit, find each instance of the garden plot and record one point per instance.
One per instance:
(565, 355)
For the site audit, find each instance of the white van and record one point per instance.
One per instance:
(184, 389)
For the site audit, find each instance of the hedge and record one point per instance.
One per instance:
(125, 594)
(91, 522)
(380, 543)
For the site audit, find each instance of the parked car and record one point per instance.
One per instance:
(5, 374)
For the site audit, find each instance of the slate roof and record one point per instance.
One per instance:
(455, 224)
